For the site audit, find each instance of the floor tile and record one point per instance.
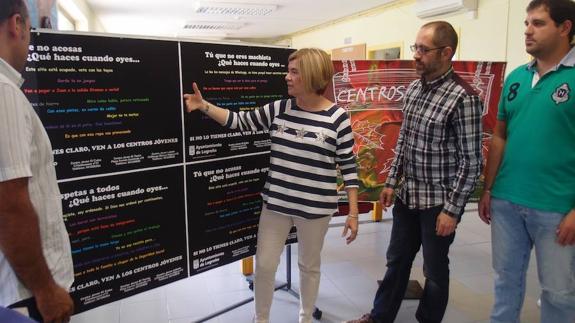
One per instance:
(348, 284)
(151, 311)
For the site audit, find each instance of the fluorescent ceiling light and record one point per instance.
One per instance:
(204, 35)
(211, 25)
(233, 9)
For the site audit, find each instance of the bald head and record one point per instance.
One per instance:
(443, 34)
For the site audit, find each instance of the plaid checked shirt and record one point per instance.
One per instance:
(438, 152)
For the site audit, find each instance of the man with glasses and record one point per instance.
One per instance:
(35, 259)
(435, 169)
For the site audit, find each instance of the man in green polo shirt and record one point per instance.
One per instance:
(529, 195)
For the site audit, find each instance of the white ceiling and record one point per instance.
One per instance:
(166, 18)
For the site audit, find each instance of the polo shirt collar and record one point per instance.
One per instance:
(567, 61)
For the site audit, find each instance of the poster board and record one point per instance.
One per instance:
(151, 194)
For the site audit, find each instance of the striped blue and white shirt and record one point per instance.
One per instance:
(307, 148)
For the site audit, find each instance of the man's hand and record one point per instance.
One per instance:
(351, 224)
(21, 244)
(194, 101)
(386, 197)
(566, 230)
(445, 225)
(485, 207)
(55, 304)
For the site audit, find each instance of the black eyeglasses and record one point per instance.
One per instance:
(422, 49)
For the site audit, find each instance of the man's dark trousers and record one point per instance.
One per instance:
(412, 228)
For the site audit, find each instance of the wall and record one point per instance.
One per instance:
(83, 14)
(495, 34)
(515, 36)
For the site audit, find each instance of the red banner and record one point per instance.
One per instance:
(373, 93)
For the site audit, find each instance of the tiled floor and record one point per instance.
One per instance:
(348, 284)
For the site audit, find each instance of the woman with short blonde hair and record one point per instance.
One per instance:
(310, 138)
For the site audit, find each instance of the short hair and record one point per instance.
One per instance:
(443, 34)
(315, 67)
(559, 11)
(8, 8)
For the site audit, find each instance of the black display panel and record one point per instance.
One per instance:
(239, 78)
(127, 233)
(224, 208)
(108, 104)
(139, 214)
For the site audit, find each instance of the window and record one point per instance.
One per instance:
(65, 21)
(385, 51)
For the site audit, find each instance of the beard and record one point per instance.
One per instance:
(423, 69)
